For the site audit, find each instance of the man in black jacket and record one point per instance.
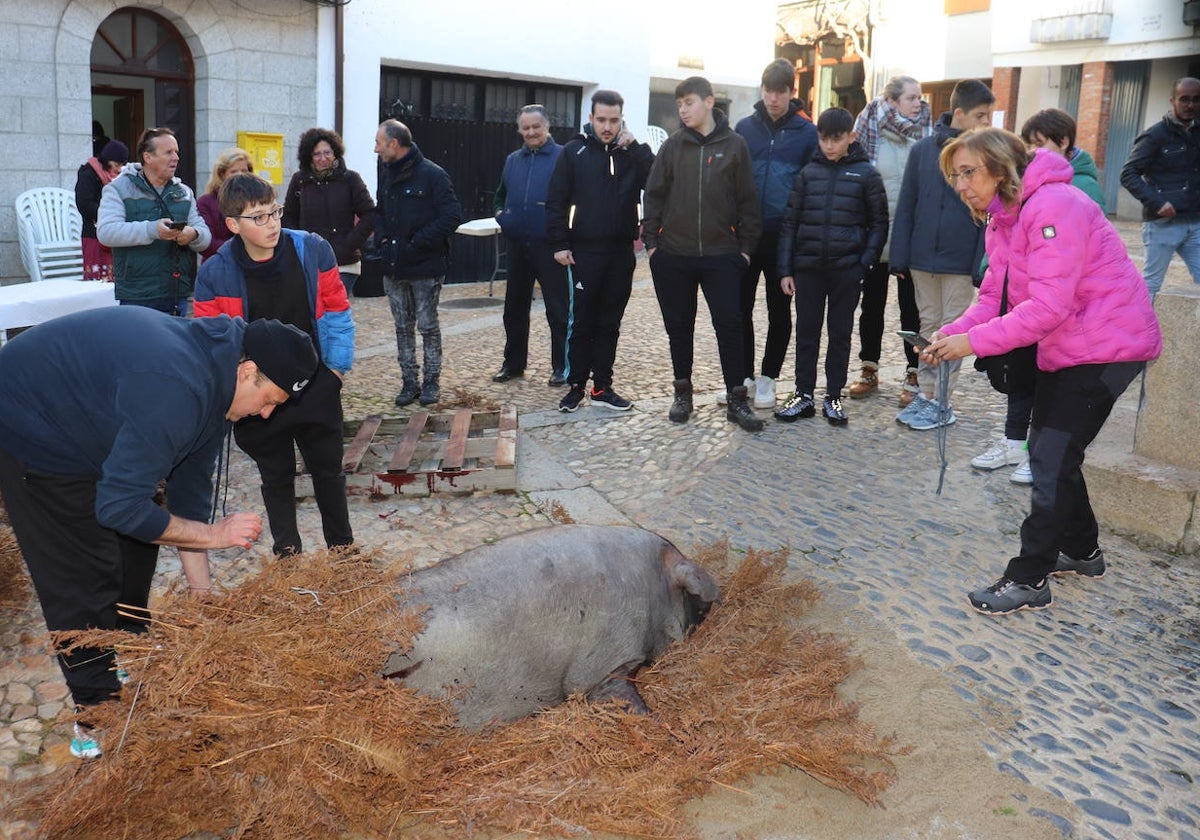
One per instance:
(1163, 172)
(416, 214)
(601, 173)
(702, 223)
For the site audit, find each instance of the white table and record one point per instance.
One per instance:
(28, 304)
(485, 227)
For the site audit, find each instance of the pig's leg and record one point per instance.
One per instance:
(619, 686)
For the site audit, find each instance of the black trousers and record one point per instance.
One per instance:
(813, 290)
(870, 319)
(1069, 409)
(779, 309)
(312, 422)
(527, 262)
(599, 284)
(81, 571)
(676, 280)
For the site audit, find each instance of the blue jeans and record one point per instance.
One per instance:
(414, 304)
(1164, 238)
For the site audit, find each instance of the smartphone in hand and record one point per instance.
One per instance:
(915, 339)
(176, 225)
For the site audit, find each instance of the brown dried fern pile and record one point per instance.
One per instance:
(15, 586)
(261, 716)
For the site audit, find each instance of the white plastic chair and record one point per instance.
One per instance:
(655, 136)
(50, 231)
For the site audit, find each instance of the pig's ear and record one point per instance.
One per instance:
(688, 576)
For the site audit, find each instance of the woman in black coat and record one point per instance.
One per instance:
(89, 183)
(326, 198)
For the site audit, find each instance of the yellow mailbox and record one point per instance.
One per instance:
(267, 152)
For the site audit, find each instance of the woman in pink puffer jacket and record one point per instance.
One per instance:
(1072, 289)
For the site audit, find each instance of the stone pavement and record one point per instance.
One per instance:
(1095, 700)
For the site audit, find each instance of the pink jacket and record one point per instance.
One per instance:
(1071, 285)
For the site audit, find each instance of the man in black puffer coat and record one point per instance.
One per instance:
(834, 228)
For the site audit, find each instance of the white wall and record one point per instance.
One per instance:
(916, 38)
(564, 43)
(1141, 29)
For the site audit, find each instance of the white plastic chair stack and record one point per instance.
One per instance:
(655, 136)
(50, 230)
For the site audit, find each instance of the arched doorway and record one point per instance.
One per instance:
(142, 76)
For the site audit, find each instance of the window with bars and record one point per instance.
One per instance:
(407, 93)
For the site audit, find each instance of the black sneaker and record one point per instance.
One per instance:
(832, 409)
(1007, 596)
(1091, 566)
(797, 406)
(572, 399)
(556, 379)
(611, 399)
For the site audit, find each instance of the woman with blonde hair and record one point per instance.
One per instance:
(1068, 285)
(229, 162)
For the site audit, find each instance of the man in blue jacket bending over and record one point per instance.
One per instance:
(96, 409)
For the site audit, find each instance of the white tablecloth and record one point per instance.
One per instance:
(27, 304)
(479, 227)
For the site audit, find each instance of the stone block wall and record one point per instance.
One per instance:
(255, 70)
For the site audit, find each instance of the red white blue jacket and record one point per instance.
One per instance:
(221, 290)
(1071, 285)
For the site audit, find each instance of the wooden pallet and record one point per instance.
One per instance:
(430, 453)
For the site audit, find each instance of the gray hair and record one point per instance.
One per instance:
(398, 131)
(896, 85)
(540, 110)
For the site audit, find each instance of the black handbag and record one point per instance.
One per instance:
(1014, 372)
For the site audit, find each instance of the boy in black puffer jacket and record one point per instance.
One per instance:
(833, 231)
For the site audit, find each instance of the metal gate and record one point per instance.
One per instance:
(1125, 122)
(1070, 81)
(467, 126)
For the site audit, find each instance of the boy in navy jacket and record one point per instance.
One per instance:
(266, 271)
(833, 230)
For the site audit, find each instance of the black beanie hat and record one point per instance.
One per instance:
(283, 353)
(114, 151)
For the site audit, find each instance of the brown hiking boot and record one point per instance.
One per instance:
(867, 382)
(909, 392)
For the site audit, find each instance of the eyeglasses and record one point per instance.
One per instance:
(323, 154)
(262, 218)
(965, 174)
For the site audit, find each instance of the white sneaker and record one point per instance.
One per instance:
(1022, 474)
(1002, 453)
(722, 398)
(764, 392)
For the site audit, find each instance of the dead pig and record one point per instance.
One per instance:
(523, 623)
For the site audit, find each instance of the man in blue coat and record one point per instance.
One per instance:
(520, 206)
(97, 408)
(782, 140)
(1163, 172)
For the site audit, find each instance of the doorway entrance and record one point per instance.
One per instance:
(143, 76)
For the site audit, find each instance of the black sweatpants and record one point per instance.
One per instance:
(676, 280)
(779, 309)
(1069, 409)
(813, 289)
(870, 319)
(80, 570)
(311, 421)
(599, 285)
(527, 262)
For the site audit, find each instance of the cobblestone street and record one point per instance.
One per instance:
(1095, 700)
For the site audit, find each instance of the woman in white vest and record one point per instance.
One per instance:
(887, 128)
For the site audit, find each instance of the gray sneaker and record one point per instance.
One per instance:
(1091, 566)
(912, 410)
(1007, 596)
(931, 415)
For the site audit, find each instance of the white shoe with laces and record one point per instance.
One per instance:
(1003, 453)
(1022, 474)
(764, 392)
